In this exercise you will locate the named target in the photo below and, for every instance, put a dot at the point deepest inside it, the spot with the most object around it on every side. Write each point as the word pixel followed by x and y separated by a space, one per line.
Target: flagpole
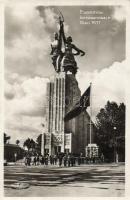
pixel 90 116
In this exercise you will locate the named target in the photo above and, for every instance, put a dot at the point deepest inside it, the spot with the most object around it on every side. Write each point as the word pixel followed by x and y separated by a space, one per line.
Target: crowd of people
pixel 65 160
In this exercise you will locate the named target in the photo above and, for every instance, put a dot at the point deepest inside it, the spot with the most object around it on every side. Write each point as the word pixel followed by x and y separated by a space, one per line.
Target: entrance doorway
pixel 67 151
pixel 46 151
pixel 57 149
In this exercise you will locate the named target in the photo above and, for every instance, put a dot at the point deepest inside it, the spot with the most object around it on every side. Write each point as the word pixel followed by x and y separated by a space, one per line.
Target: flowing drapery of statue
pixel 64 60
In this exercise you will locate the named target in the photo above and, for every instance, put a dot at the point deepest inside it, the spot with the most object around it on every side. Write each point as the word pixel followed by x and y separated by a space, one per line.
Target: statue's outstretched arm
pixel 60 35
pixel 79 51
pixel 62 32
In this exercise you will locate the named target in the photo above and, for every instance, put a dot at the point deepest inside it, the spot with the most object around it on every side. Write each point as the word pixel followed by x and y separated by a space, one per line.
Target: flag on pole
pixel 80 106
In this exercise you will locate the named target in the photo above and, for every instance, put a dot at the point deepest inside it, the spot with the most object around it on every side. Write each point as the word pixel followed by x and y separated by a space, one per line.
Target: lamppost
pixel 42 139
pixel 115 150
pixel 15 157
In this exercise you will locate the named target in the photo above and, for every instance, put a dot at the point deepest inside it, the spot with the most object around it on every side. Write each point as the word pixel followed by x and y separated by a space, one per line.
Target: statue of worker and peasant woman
pixel 64 60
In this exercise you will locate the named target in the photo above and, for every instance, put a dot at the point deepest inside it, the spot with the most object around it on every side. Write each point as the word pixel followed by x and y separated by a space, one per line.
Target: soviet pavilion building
pixel 62 93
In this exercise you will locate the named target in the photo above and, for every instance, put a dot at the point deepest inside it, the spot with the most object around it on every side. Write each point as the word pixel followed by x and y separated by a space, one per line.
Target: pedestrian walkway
pixel 85 180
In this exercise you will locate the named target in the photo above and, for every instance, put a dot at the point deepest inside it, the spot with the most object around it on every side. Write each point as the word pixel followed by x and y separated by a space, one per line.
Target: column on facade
pixel 63 104
pixel 54 106
pixel 48 108
pixel 50 147
pixel 57 106
pixel 63 112
pixel 42 144
pixel 60 110
pixel 51 106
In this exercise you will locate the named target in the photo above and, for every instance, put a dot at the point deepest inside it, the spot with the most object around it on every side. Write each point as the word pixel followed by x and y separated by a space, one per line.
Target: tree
pixel 17 142
pixel 110 122
pixel 6 138
pixel 30 144
pixel 27 144
pixel 33 144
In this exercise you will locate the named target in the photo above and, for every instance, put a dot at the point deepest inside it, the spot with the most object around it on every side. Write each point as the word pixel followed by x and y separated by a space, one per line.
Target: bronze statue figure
pixel 68 61
pixel 64 61
pixel 56 49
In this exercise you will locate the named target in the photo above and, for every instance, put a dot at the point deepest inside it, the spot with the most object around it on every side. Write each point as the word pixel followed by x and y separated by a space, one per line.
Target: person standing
pixel 35 160
pixel 25 160
pixel 69 160
pixel 55 159
pixel 79 160
pixel 46 160
pixel 28 160
pixel 43 160
pixel 60 160
pixel 102 158
pixel 50 159
pixel 40 159
pixel 32 160
pixel 65 160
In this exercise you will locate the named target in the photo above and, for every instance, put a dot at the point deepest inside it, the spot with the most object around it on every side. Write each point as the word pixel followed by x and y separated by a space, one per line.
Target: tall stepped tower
pixel 60 136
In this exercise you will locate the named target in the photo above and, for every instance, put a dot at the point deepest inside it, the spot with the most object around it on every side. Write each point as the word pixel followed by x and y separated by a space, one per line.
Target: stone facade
pixel 71 136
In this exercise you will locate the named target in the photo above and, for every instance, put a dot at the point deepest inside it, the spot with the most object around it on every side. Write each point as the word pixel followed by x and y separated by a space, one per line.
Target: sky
pixel 28 34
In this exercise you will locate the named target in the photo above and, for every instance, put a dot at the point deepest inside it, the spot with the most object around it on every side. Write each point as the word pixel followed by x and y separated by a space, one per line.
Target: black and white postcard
pixel 64 80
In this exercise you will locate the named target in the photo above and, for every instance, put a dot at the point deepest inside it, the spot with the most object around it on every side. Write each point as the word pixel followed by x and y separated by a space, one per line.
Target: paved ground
pixel 82 181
